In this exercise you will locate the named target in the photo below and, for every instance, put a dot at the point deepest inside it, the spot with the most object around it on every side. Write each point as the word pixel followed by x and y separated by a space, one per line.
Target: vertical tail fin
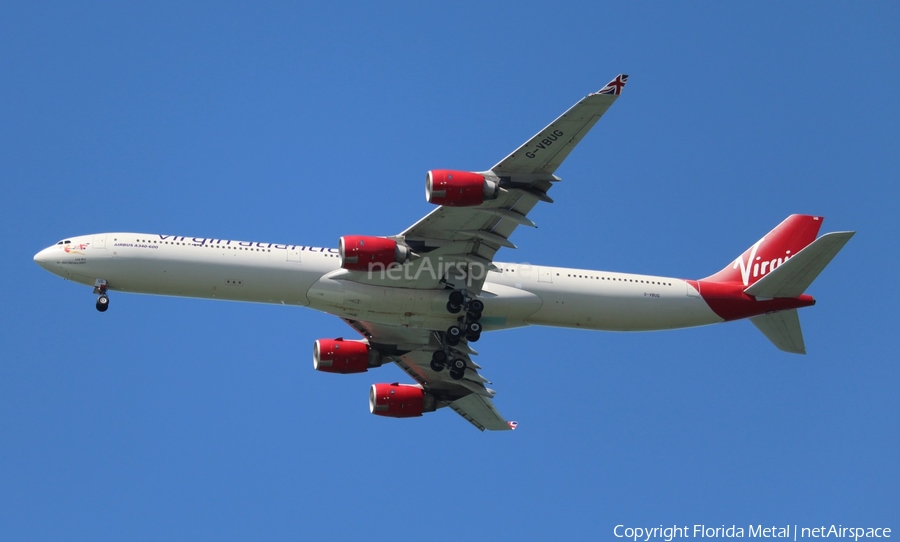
pixel 775 248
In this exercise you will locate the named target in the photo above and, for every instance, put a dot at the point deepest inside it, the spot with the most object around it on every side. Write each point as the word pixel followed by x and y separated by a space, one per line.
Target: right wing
pixel 448 236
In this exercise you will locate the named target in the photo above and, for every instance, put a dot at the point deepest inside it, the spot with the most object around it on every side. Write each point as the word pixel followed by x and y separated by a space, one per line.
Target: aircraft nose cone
pixel 43 258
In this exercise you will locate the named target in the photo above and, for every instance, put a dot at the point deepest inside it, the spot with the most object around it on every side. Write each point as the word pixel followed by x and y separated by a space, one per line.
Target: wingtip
pixel 615 86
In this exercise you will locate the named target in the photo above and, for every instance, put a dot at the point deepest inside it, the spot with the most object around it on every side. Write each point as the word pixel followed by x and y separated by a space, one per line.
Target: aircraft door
pixel 293 254
pixel 99 241
pixel 545 274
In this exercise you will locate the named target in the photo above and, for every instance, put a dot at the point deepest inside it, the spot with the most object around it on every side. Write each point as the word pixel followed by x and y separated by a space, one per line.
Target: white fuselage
pixel 516 295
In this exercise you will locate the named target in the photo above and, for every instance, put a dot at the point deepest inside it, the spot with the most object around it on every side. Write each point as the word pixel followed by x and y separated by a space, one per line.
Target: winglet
pixel 615 86
pixel 513 425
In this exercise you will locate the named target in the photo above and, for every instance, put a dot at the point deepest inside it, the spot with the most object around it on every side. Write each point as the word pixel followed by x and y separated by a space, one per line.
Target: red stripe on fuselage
pixel 729 302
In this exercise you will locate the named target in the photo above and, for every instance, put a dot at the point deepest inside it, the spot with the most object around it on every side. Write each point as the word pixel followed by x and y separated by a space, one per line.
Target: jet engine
pixel 399 400
pixel 340 356
pixel 458 188
pixel 362 253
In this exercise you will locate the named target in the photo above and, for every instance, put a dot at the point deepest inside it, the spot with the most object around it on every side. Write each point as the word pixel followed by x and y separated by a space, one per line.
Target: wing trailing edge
pixel 480 412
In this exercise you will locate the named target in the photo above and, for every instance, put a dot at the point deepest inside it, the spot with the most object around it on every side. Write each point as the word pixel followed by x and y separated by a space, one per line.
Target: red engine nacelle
pixel 458 188
pixel 362 253
pixel 397 400
pixel 340 356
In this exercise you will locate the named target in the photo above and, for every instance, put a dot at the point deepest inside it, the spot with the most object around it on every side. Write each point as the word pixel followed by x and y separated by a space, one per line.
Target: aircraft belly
pixel 417 308
pixel 254 281
pixel 622 308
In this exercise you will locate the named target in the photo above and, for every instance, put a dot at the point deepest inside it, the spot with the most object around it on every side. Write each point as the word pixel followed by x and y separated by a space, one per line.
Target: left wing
pixel 412 349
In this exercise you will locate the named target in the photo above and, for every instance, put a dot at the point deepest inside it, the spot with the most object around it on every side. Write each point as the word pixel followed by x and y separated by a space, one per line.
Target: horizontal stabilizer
pixel 793 277
pixel 480 412
pixel 783 329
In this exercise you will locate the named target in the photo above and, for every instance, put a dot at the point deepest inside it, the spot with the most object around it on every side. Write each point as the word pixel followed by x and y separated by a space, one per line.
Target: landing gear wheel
pixel 457 369
pixel 454 334
pixel 438 360
pixel 476 305
pixel 473 332
pixel 457 298
pixel 102 303
pixel 452 308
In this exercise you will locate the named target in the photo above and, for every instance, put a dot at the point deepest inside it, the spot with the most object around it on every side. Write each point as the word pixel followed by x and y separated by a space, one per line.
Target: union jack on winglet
pixel 512 425
pixel 615 86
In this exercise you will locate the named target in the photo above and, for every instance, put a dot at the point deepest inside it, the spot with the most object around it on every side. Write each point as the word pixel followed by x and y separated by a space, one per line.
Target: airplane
pixel 423 297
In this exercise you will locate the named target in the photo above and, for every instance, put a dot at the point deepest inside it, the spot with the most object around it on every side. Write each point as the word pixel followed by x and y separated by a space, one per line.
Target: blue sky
pixel 170 418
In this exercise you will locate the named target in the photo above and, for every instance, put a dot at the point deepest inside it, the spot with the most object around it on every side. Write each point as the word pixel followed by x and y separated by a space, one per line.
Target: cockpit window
pixel 67 241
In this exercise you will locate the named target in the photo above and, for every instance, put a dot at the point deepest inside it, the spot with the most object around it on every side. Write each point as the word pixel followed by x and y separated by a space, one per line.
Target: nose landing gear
pixel 102 301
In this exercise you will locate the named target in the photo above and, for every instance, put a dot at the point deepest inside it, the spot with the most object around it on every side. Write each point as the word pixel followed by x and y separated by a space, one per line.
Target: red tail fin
pixel 780 244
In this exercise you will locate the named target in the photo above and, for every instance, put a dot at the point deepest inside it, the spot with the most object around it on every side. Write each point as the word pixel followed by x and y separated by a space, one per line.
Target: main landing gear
pixel 467 324
pixel 459 301
pixel 467 327
pixel 457 366
pixel 103 300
